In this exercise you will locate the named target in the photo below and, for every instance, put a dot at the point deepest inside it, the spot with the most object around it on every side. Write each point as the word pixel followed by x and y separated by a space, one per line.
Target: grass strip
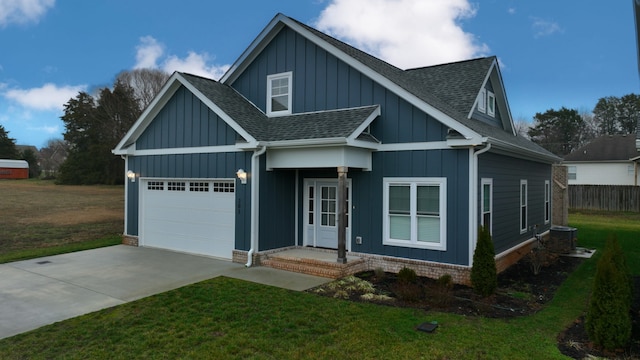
pixel 59 249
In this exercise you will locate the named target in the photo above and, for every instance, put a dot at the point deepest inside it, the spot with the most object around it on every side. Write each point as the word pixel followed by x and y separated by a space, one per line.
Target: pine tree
pixel 484 277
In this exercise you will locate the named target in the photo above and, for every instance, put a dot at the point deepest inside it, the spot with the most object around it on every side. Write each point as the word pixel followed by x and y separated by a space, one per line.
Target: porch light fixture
pixel 242 175
pixel 131 176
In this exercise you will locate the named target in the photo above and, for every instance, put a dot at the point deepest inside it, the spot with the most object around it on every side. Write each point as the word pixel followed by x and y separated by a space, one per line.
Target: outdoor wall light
pixel 242 175
pixel 131 176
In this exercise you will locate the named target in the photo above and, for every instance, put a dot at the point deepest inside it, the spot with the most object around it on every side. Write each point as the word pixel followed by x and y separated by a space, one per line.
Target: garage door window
pixel 155 185
pixel 176 186
pixel 199 186
pixel 223 186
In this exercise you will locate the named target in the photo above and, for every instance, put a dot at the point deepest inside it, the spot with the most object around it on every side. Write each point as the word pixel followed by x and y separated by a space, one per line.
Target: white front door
pixel 321 208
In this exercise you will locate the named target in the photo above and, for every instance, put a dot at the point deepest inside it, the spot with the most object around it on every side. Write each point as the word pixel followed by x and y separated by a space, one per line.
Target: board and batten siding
pixel 367 191
pixel 506 173
pixel 185 121
pixel 323 82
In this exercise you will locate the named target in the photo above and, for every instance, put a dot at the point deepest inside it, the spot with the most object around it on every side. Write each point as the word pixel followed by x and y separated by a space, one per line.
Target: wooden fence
pixel 605 197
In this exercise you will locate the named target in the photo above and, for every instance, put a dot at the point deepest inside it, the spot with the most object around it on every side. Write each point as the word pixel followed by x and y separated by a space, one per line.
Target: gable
pixel 322 82
pixel 185 121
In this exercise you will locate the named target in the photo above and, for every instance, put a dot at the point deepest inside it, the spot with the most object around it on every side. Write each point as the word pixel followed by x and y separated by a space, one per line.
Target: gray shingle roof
pixel 317 125
pixel 606 148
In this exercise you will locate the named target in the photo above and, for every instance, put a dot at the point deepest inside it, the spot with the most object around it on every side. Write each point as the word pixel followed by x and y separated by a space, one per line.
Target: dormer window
pixel 491 104
pixel 279 94
pixel 482 101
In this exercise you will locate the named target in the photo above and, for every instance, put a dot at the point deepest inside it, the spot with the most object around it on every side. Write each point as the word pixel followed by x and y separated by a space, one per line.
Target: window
pixel 415 212
pixel 482 101
pixel 631 171
pixel 573 172
pixel 199 186
pixel 491 104
pixel 175 185
pixel 224 186
pixel 487 203
pixel 155 185
pixel 547 201
pixel 523 206
pixel 279 94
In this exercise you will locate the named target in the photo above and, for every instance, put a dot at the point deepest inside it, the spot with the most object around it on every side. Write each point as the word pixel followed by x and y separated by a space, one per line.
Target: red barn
pixel 14 169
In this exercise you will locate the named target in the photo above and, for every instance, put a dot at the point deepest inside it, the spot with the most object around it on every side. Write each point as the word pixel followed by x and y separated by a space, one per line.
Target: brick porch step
pixel 313 264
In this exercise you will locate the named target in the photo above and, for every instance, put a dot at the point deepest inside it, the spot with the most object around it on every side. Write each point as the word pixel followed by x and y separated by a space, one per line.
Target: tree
pixel 521 126
pixel 617 115
pixel 52 156
pixel 7 145
pixel 484 277
pixel 32 158
pixel 559 131
pixel 146 83
pixel 93 128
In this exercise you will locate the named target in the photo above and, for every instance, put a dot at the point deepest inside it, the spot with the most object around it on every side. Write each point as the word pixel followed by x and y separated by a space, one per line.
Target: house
pixel 304 130
pixel 14 169
pixel 607 160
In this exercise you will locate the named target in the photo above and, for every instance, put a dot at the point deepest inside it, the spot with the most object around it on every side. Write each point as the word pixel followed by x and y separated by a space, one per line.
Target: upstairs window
pixel 491 104
pixel 482 101
pixel 279 94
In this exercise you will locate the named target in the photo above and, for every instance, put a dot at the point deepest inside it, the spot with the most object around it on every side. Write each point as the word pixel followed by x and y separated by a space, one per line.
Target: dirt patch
pixel 520 293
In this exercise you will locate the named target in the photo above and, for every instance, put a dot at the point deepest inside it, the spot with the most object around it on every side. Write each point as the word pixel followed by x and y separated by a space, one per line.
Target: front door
pixel 321 207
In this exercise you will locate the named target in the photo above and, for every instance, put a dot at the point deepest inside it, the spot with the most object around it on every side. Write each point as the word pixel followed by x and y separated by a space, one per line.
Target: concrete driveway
pixel 42 291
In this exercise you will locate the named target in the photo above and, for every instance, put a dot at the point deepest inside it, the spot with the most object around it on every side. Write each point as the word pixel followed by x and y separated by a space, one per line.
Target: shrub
pixel 445 282
pixel 407 275
pixel 379 273
pixel 608 317
pixel 408 291
pixel 484 277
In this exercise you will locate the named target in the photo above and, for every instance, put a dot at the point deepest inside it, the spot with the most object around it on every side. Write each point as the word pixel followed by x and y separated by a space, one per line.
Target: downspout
pixel 474 202
pixel 255 170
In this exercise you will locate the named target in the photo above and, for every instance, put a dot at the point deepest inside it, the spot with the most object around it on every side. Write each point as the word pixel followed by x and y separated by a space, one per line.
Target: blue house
pixel 305 130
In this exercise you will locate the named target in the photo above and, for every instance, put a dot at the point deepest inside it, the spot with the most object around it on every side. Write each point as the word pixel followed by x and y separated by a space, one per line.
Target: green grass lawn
pixel 231 319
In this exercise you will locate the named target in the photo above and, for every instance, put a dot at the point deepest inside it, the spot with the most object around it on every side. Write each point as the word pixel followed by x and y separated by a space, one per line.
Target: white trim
pixel 524 227
pixel 433 145
pixel 270 78
pixel 483 182
pixel 186 150
pixel 127 183
pixel 413 183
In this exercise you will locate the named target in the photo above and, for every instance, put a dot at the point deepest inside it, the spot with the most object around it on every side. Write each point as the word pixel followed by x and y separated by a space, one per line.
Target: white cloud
pixel 47 97
pixel 511 11
pixel 150 53
pixel 23 11
pixel 542 27
pixel 406 33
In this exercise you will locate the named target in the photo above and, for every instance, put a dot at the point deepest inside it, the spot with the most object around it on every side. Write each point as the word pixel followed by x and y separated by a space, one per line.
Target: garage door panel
pixel 201 222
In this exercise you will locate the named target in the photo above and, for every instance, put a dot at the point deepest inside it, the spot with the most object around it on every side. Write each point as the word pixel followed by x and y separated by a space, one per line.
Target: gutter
pixel 255 169
pixel 473 211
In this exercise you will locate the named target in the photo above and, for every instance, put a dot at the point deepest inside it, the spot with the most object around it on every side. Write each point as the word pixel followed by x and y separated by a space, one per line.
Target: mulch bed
pixel 520 293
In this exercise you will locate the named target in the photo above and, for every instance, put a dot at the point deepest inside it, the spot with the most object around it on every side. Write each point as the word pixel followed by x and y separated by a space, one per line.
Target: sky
pixel 552 53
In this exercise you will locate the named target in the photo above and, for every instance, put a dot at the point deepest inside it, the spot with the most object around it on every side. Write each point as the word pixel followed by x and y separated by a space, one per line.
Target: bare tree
pixel 146 83
pixel 522 127
pixel 52 156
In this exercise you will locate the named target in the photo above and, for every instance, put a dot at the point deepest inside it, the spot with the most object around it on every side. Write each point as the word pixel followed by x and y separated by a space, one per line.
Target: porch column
pixel 342 214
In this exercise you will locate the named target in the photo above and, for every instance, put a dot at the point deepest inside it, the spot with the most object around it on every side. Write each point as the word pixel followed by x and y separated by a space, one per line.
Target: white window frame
pixel 547 201
pixel 270 78
pixel 572 175
pixel 523 206
pixel 483 182
pixel 482 101
pixel 491 104
pixel 413 183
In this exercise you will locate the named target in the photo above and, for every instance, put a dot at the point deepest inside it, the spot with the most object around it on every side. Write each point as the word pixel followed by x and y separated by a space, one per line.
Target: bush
pixel 608 317
pixel 484 276
pixel 407 276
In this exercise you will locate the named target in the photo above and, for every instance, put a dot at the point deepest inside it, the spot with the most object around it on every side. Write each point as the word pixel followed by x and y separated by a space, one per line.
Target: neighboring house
pixel 259 161
pixel 607 160
pixel 14 169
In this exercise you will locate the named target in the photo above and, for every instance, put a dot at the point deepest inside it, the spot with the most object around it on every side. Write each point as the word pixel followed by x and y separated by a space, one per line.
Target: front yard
pixel 231 319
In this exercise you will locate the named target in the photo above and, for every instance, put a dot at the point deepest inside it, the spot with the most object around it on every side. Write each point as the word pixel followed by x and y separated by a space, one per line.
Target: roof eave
pixel 522 153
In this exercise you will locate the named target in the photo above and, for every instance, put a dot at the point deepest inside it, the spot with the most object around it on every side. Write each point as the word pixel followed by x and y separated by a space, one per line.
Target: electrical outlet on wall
pixel 359 240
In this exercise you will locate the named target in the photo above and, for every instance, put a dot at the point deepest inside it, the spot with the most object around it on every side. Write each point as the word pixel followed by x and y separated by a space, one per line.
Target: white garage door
pixel 193 216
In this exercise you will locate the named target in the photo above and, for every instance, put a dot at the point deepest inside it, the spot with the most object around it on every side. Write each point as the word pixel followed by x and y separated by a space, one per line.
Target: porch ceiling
pixel 319 157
